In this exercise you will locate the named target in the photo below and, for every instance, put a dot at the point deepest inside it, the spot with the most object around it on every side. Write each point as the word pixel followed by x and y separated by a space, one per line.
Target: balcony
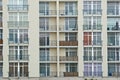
pixel 1 23
pixel 51 74
pixel 68 58
pixel 92 27
pixel 70 74
pixel 17 7
pixel 90 43
pixel 22 74
pixel 113 12
pixel 113 42
pixel 48 12
pixel 90 12
pixel 113 28
pixel 18 24
pixel 68 28
pixel 1 57
pixel 68 43
pixel 18 57
pixel 92 58
pixel 68 13
pixel 48 58
pixel 93 74
pixel 48 43
pixel 48 28
pixel 1 41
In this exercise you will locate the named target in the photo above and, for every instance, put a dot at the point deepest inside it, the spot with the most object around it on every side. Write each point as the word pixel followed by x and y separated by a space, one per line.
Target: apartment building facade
pixel 59 39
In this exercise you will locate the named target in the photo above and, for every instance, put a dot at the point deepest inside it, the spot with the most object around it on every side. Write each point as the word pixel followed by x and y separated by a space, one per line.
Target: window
pixel 44 23
pixel 92 69
pixel 44 54
pixel 92 38
pixel 1 69
pixel 70 8
pixel 13 69
pixel 18 2
pixel 18 36
pixel 92 7
pixel 70 23
pixel 44 8
pixel 70 36
pixel 113 8
pixel 92 23
pixel 92 54
pixel 71 52
pixel 1 34
pixel 114 39
pixel 71 67
pixel 44 69
pixel 44 39
pixel 14 55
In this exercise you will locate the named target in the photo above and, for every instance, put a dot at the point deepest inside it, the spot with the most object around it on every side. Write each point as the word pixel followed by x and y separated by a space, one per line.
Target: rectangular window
pixel 44 54
pixel 44 69
pixel 44 8
pixel 70 36
pixel 44 39
pixel 71 67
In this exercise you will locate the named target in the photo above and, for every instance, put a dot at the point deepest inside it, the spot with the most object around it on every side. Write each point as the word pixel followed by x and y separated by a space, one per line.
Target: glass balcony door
pixel 44 39
pixel 44 54
pixel 44 23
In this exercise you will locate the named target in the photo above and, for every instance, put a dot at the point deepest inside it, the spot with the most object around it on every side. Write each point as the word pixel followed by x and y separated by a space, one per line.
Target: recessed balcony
pixel 113 28
pixel 68 43
pixel 48 58
pixel 17 7
pixel 50 74
pixel 95 12
pixel 94 42
pixel 48 28
pixel 92 27
pixel 70 74
pixel 48 42
pixel 92 58
pixel 93 74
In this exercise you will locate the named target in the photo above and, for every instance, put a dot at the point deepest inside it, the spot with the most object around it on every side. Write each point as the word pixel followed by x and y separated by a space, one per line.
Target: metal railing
pixel 113 42
pixel 22 74
pixel 68 28
pixel 68 58
pixel 68 74
pixel 48 27
pixel 90 11
pixel 17 7
pixel 66 12
pixel 19 24
pixel 18 41
pixel 48 12
pixel 50 74
pixel 48 43
pixel 113 27
pixel 92 58
pixel 48 58
pixel 92 27
pixel 113 11
pixel 113 58
pixel 93 74
pixel 94 42
pixel 18 57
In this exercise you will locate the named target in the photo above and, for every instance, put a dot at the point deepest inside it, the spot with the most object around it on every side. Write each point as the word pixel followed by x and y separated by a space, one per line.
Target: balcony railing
pixel 18 57
pixel 51 74
pixel 68 28
pixel 90 42
pixel 113 58
pixel 17 7
pixel 1 7
pixel 113 27
pixel 68 58
pixel 48 58
pixel 48 12
pixel 112 42
pixel 18 41
pixel 93 74
pixel 68 43
pixel 69 74
pixel 1 57
pixel 92 58
pixel 48 43
pixel 1 23
pixel 17 24
pixel 1 41
pixel 114 74
pixel 113 11
pixel 22 74
pixel 48 27
pixel 89 11
pixel 92 27
pixel 65 13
